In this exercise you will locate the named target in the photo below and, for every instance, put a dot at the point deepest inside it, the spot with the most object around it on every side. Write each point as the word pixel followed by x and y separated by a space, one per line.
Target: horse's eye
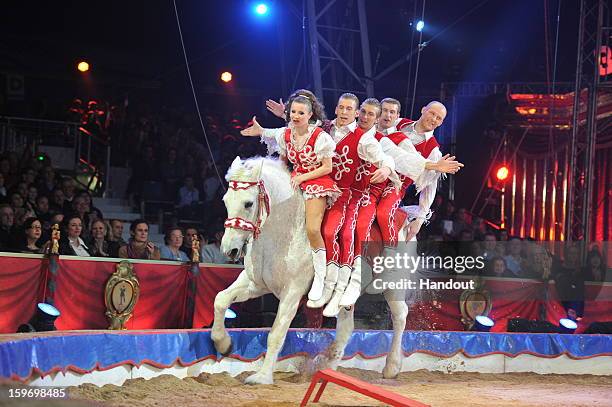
pixel 247 205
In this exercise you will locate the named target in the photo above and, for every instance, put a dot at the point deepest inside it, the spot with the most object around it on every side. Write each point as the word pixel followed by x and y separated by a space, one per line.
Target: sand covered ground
pixel 434 388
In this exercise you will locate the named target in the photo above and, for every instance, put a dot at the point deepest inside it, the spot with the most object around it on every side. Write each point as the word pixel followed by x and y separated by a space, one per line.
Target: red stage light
pixel 83 66
pixel 226 77
pixel 502 173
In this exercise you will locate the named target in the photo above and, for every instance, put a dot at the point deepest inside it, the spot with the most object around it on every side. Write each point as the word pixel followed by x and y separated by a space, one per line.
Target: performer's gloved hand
pixel 276 108
pixel 380 175
pixel 254 130
pixel 413 228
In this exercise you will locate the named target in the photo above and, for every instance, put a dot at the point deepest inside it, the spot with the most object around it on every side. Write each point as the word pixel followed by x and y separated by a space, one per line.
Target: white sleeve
pixel 370 150
pixel 408 161
pixel 324 147
pixel 274 139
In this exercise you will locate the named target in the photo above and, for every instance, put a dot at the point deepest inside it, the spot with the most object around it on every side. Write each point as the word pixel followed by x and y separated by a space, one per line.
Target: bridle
pixel 263 208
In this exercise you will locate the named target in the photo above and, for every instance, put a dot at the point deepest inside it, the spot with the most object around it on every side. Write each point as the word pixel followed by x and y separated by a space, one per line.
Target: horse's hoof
pixel 391 372
pixel 259 378
pixel 224 346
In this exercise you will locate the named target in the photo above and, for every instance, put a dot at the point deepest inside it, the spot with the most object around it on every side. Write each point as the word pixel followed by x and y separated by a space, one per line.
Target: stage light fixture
pixel 42 320
pixel 482 324
pixel 261 9
pixel 83 66
pixel 567 326
pixel 420 25
pixel 230 314
pixel 502 173
pixel 226 77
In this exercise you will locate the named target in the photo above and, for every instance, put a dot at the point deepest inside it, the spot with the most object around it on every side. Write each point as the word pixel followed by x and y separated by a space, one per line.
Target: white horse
pixel 266 225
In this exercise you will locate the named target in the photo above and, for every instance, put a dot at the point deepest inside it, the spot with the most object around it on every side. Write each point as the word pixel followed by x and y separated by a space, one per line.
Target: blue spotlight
pixel 483 324
pixel 43 319
pixel 230 314
pixel 261 9
pixel 567 326
pixel 420 25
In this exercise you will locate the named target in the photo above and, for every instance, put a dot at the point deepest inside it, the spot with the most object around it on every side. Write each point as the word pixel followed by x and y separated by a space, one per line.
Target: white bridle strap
pixel 263 210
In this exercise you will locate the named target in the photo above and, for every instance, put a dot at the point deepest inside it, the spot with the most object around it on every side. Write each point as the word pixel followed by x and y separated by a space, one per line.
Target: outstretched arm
pixel 276 108
pixel 254 130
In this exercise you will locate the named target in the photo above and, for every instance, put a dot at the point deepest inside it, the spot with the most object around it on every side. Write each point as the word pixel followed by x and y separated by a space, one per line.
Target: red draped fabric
pixel 22 286
pixel 209 282
pixel 79 295
pixel 165 294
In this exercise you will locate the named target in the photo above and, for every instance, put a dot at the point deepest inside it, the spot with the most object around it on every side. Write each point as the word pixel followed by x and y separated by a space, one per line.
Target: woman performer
pixel 310 150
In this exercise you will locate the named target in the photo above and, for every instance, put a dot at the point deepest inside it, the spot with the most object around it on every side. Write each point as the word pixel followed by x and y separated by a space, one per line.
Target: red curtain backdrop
pixel 209 282
pixel 79 295
pixel 166 297
pixel 22 286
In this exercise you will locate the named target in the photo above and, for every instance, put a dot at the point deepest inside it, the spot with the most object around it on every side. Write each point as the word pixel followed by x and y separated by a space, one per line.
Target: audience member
pixel 496 267
pixel 32 231
pixel 139 246
pixel 71 243
pixel 47 182
pixel 569 281
pixel 190 233
pixel 172 249
pixel 99 245
pixel 211 253
pixel 7 227
pixel 595 267
pixel 514 261
pixel 116 234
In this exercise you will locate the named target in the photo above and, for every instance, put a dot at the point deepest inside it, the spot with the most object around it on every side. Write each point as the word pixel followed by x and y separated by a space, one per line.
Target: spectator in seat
pixel 496 267
pixel 99 245
pixel 569 282
pixel 97 213
pixel 57 201
pixel 3 191
pixel 69 189
pixel 514 260
pixel 139 246
pixel 32 232
pixel 172 249
pixel 188 199
pixel 190 233
pixel 116 234
pixel 71 243
pixel 595 266
pixel 489 242
pixel 7 227
pixel 47 182
pixel 42 209
pixel 211 253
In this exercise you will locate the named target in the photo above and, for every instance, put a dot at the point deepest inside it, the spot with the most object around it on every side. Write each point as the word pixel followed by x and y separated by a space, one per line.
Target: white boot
pixel 353 290
pixel 333 306
pixel 319 261
pixel 328 287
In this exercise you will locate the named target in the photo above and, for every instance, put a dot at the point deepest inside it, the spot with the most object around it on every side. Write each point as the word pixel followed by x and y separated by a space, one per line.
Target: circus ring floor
pixel 181 367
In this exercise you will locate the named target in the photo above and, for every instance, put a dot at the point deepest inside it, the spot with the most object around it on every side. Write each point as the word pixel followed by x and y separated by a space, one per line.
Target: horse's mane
pixel 274 173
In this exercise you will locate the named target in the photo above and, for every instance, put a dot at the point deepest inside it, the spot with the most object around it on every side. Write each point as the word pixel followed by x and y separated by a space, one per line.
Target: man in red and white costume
pixel 389 121
pixel 413 135
pixel 353 147
pixel 417 166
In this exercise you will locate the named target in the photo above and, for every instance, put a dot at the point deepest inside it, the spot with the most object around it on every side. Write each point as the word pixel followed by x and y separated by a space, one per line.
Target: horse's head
pixel 247 204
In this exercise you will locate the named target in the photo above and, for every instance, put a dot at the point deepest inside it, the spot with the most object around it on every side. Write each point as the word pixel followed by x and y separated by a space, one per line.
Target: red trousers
pixel 333 220
pixel 388 215
pixel 366 217
pixel 347 232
